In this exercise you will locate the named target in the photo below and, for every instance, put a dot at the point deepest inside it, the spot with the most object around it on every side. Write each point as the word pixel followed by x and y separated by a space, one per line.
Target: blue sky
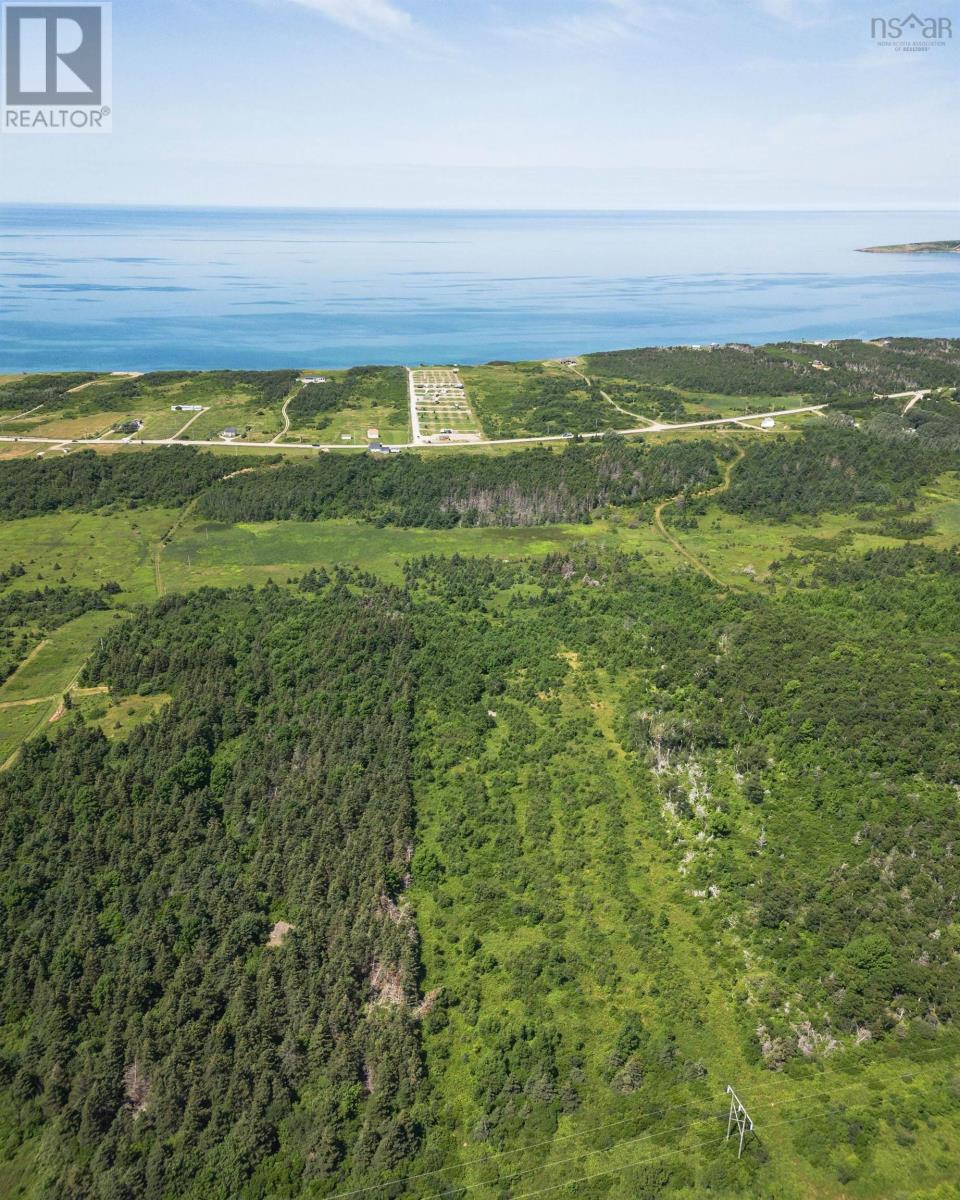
pixel 510 103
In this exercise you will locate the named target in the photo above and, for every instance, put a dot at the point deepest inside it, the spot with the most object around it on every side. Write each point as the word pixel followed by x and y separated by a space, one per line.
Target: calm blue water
pixel 114 288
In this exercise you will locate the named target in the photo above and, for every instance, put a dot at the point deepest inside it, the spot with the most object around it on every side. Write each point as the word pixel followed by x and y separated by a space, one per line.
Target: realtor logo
pixel 911 32
pixel 56 67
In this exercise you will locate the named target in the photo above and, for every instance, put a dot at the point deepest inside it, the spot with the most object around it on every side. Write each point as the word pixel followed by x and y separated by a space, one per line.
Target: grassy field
pixel 87 549
pixel 740 551
pixel 31 696
pixel 19 724
pixel 255 421
pixel 116 716
pixel 54 667
pixel 391 426
pixel 216 555
pixel 520 399
pixel 377 402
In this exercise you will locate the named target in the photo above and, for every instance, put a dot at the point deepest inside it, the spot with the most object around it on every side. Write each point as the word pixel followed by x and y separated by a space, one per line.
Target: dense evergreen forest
pixel 204 923
pixel 527 487
pixel 834 468
pixel 852 367
pixel 87 480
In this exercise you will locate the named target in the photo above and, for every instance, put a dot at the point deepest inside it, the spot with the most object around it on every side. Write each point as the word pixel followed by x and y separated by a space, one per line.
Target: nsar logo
pixel 57 68
pixel 911 33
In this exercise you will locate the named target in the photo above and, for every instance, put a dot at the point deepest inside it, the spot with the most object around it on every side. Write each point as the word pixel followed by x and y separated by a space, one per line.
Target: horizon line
pixel 554 210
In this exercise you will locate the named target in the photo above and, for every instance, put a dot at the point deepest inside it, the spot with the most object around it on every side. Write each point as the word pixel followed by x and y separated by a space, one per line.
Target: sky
pixel 596 104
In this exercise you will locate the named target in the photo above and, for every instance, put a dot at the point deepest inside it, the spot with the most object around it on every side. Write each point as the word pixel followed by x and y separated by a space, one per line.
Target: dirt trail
pixel 674 541
pixel 187 511
pixel 913 399
pixel 609 399
pixel 183 429
pixel 17 416
pixel 159 547
pixel 30 657
pixel 286 417
pixel 26 703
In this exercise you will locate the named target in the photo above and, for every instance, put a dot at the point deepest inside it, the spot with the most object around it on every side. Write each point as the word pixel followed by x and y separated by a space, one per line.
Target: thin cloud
pixel 797 12
pixel 598 23
pixel 374 18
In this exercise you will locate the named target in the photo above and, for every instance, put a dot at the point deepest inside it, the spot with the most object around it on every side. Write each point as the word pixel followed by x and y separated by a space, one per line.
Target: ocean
pixel 144 289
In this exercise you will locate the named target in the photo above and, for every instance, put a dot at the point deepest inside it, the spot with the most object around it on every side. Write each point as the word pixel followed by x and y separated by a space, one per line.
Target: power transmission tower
pixel 739 1117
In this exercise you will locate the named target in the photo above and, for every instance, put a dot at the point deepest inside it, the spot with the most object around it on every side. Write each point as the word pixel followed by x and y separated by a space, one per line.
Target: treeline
pixel 892 562
pixel 210 975
pixel 529 487
pixel 726 370
pixel 87 480
pixel 853 367
pixel 830 468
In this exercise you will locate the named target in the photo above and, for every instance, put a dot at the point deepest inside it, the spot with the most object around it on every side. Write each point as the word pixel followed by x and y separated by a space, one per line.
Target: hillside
pixel 463 824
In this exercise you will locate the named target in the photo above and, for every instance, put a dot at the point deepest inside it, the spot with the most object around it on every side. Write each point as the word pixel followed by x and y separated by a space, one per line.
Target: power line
pixel 653 1112
pixel 645 1137
pixel 738 1114
pixel 470 1162
pixel 554 1187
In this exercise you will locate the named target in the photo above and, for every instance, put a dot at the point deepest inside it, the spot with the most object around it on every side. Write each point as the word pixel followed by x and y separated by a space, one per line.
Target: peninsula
pixel 945 247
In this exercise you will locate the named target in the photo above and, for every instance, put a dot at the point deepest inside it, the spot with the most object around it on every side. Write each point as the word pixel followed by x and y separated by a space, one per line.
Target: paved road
pixel 414 416
pixel 655 427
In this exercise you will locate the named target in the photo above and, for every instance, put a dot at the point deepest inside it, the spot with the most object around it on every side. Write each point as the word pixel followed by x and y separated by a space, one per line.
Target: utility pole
pixel 739 1117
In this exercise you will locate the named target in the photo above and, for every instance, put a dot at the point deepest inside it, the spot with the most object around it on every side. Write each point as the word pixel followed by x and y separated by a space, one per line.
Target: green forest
pixel 484 874
pixel 526 487
pixel 87 480
pixel 788 368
